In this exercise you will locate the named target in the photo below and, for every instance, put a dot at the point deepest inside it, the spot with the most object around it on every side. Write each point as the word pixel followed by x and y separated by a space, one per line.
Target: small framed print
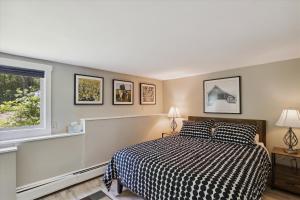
pixel 88 90
pixel 122 92
pixel 222 95
pixel 147 94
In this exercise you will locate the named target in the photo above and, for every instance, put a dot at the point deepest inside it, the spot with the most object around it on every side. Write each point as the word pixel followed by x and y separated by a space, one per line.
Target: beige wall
pixel 63 109
pixel 266 90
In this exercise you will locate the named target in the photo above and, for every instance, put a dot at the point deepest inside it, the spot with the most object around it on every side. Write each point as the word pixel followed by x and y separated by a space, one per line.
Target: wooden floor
pixel 94 185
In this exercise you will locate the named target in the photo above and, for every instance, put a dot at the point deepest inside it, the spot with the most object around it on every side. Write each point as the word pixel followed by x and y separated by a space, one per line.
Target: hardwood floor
pixel 279 195
pixel 82 190
pixel 76 192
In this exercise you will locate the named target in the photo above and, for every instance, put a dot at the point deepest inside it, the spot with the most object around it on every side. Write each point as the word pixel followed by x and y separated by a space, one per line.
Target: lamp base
pixel 173 124
pixel 291 140
pixel 289 151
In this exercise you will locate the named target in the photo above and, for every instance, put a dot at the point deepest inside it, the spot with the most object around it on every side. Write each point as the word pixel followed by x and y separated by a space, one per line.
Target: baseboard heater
pixel 48 186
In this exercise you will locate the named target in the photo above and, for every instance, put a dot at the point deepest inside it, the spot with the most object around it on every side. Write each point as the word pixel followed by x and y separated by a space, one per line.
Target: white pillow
pixel 256 138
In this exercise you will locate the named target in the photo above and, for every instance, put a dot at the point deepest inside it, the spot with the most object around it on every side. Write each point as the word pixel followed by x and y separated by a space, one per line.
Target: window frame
pixel 44 128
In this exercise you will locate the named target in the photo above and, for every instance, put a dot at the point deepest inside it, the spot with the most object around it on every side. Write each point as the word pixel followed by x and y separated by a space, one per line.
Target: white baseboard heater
pixel 48 186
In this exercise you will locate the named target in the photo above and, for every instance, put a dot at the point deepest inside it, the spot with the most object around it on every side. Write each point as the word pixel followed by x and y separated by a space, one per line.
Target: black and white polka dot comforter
pixel 183 167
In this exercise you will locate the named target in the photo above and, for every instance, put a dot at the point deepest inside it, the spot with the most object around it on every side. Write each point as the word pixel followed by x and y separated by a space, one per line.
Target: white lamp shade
pixel 289 118
pixel 174 112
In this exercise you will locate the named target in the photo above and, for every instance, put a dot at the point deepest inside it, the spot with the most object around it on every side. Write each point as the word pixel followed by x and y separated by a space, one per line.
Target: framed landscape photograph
pixel 88 90
pixel 222 95
pixel 147 94
pixel 122 92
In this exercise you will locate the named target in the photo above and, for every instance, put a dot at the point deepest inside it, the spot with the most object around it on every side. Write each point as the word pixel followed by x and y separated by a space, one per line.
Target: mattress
pixel 184 167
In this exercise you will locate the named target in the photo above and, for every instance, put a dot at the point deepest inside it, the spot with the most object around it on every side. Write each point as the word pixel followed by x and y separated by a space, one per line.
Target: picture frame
pixel 147 94
pixel 222 95
pixel 123 92
pixel 88 90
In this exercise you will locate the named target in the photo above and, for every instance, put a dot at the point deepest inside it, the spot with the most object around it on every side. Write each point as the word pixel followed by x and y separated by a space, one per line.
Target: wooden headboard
pixel 260 124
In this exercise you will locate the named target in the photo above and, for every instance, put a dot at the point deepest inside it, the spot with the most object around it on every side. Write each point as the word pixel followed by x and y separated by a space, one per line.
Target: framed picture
pixel 222 95
pixel 147 94
pixel 88 90
pixel 122 92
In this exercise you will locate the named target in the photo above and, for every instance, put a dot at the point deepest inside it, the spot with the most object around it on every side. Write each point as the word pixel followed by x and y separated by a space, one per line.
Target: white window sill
pixel 31 139
pixel 16 142
pixel 8 149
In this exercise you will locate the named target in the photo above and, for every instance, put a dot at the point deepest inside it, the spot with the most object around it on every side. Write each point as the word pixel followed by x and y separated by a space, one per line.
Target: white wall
pixel 40 160
pixel 7 175
pixel 44 159
pixel 266 90
pixel 63 109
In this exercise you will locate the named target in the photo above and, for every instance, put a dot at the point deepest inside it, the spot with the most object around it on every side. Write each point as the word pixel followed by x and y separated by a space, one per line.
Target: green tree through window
pixel 19 101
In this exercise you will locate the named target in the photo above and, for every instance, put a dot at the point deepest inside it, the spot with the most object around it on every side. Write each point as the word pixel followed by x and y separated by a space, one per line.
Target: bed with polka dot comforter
pixel 184 167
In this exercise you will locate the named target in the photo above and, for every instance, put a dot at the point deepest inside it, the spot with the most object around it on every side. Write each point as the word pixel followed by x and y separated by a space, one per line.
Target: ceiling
pixel 159 39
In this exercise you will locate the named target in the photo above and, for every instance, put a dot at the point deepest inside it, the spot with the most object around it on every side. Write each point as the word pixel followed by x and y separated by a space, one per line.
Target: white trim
pixel 61 135
pixel 25 64
pixel 8 149
pixel 27 186
pixel 53 136
pixel 45 128
pixel 121 117
pixel 50 185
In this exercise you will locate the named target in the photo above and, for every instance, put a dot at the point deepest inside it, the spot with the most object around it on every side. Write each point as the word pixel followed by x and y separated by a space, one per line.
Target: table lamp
pixel 173 113
pixel 290 118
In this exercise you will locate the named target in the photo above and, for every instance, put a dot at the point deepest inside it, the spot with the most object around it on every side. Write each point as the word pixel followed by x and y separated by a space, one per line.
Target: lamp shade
pixel 289 118
pixel 174 112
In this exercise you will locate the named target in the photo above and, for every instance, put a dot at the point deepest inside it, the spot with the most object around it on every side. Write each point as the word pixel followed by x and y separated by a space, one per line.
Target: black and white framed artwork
pixel 147 94
pixel 122 92
pixel 222 95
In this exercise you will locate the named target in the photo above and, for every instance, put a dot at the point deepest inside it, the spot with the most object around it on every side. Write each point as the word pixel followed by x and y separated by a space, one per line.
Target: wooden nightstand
pixel 166 134
pixel 284 177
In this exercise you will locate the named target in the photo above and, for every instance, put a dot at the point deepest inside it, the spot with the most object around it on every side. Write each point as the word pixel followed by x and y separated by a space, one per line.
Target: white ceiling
pixel 160 39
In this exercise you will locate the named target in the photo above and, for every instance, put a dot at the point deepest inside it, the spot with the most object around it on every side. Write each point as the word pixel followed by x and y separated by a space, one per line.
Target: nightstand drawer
pixel 287 178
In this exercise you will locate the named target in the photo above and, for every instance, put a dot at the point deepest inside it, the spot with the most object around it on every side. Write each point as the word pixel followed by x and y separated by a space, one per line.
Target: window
pixel 24 99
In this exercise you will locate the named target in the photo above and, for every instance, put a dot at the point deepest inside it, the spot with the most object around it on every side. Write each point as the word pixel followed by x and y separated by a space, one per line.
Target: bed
pixel 185 167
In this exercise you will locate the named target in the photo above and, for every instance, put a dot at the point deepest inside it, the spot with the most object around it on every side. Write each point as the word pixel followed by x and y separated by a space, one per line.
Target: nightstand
pixel 166 134
pixel 285 177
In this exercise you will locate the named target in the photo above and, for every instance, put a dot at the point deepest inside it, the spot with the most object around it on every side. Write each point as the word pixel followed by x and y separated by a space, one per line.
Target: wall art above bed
pixel 88 90
pixel 222 95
